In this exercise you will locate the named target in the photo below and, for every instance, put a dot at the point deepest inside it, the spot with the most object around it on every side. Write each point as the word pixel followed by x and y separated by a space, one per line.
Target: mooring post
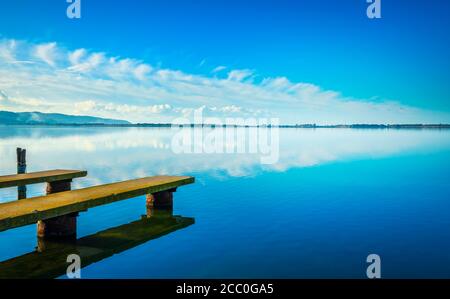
pixel 160 201
pixel 21 168
pixel 64 227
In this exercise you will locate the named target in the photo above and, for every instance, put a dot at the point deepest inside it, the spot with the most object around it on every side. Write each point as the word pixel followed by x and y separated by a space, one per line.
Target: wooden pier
pixel 40 177
pixel 56 216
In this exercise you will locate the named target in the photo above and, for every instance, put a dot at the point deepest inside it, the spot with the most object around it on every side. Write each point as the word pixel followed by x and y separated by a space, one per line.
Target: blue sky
pixel 302 61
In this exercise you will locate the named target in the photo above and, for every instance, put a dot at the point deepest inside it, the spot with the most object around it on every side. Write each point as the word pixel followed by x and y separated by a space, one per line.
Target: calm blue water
pixel 334 197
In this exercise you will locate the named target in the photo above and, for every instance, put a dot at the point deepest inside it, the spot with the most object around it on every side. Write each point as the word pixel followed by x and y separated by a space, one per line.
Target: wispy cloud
pixel 75 56
pixel 86 65
pixel 239 75
pixel 46 52
pixel 3 97
pixel 94 83
pixel 7 49
pixel 218 69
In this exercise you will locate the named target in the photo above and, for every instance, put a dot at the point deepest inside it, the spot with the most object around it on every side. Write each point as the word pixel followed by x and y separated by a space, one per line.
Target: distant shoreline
pixel 39 119
pixel 303 126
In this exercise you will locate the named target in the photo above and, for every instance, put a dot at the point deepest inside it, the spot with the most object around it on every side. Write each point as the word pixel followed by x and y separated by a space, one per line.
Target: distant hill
pixel 38 118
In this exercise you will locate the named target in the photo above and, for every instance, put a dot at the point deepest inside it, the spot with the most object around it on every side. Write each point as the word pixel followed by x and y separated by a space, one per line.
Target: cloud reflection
pixel 113 154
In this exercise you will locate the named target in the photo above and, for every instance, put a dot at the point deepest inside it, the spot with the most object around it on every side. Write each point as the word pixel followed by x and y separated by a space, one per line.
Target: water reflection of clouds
pixel 112 155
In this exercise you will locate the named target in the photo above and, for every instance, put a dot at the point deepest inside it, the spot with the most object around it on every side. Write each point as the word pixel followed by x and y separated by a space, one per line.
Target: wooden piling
pixel 65 226
pixel 161 200
pixel 21 168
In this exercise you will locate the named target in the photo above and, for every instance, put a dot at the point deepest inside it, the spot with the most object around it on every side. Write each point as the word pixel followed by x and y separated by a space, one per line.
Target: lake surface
pixel 334 197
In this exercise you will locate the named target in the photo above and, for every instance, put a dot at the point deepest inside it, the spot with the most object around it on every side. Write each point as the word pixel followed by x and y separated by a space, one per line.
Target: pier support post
pixel 160 201
pixel 58 186
pixel 21 168
pixel 62 226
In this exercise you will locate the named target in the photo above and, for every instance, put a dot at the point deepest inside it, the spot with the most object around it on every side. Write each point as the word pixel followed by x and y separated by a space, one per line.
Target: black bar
pixel 223 288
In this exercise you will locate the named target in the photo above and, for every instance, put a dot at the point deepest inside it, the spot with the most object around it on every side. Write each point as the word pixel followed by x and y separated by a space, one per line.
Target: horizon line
pixel 312 126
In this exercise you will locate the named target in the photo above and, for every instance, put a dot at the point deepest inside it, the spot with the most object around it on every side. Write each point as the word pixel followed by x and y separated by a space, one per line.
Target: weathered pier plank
pixel 40 177
pixel 31 210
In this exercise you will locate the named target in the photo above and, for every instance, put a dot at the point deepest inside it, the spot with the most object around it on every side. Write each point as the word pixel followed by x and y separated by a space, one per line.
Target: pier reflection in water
pixel 49 260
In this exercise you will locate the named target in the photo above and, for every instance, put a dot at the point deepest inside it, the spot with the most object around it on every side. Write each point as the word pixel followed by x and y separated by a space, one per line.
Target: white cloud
pixel 46 52
pixel 231 108
pixel 7 50
pixel 85 106
pixel 219 68
pixel 101 85
pixel 89 106
pixel 75 56
pixel 280 83
pixel 92 62
pixel 141 71
pixel 239 75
